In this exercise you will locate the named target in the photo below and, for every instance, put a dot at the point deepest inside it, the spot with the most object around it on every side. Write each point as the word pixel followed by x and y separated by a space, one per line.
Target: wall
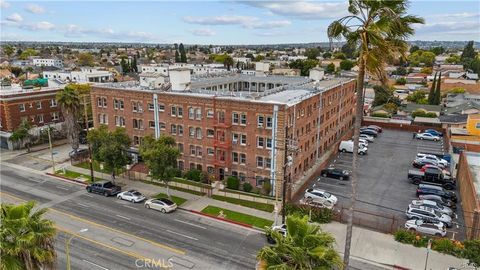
pixel 470 202
pixel 472 122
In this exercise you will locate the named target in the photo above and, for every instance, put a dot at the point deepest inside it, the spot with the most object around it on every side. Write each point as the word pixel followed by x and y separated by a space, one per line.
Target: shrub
pixel 404 236
pixel 447 246
pixel 266 187
pixel 382 115
pixel 401 81
pixel 457 90
pixel 320 215
pixel 472 252
pixel 233 182
pixel 422 113
pixel 247 187
pixel 193 175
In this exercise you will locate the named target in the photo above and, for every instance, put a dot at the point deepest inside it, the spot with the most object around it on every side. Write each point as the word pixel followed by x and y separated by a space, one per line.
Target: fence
pixel 245 196
pixel 370 220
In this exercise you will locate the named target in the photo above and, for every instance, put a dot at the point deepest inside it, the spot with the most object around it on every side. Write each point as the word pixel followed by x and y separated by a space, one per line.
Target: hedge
pixel 319 215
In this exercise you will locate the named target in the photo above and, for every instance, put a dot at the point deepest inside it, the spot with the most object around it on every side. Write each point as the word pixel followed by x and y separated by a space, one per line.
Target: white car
pixel 434 205
pixel 282 229
pixel 163 205
pixel 433 157
pixel 131 195
pixel 347 146
pixel 320 195
pixel 367 137
pixel 427 214
pixel 432 228
pixel 427 136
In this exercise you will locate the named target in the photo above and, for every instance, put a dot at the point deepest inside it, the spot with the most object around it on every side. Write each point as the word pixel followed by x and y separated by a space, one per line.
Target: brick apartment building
pixel 236 124
pixel 17 104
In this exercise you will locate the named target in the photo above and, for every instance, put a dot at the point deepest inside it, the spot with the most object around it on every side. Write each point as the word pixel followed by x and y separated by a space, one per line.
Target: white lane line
pixel 191 224
pixel 123 217
pixel 186 236
pixel 84 205
pixel 88 195
pixel 60 187
pixel 94 264
pixel 131 207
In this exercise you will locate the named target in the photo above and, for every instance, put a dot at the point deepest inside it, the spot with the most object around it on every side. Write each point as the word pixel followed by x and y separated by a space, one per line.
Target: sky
pixel 213 22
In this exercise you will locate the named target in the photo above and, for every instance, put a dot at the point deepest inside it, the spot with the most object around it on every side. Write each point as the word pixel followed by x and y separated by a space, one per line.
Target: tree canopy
pixel 312 53
pixel 421 56
pixel 346 64
pixel 304 65
pixel 85 59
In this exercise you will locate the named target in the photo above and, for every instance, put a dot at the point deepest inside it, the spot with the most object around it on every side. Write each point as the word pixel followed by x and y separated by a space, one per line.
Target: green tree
pixel 247 187
pixel 312 53
pixel 304 65
pixel 349 50
pixel 22 134
pixel 400 71
pixel 437 96
pixel 431 94
pixel 457 90
pixel 473 65
pixel 233 183
pixel 134 66
pixel 453 59
pixel 339 55
pixel 426 70
pixel 304 246
pixel 125 66
pixel 346 64
pixel 160 156
pixel 69 101
pixel 437 50
pixel 183 54
pixel 472 252
pixel 9 50
pixel 27 238
pixel 401 81
pixel 177 57
pixel 27 53
pixel 383 94
pixel 85 59
pixel 17 71
pixel 259 58
pixel 228 62
pixel 468 51
pixel 327 55
pixel 381 29
pixel 421 56
pixel 418 97
pixel 330 68
pixel 414 48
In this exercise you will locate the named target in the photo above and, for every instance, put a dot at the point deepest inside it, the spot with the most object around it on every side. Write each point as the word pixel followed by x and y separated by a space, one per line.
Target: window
pixel 243 158
pixel 39 105
pixel 210 133
pixel 210 151
pixel 54 116
pixel 260 142
pixel 199 151
pixel 137 106
pixel 191 132
pixel 192 150
pixel 243 140
pixel 137 140
pixel 243 119
pixel 102 118
pixel 180 130
pixel 210 170
pixel 209 113
pixel 260 162
pixel 137 124
pixel 102 102
pixel 242 176
pixel 235 118
pixel 198 114
pixel 269 143
pixel 235 157
pixel 151 124
pixel 40 118
pixel 191 113
pixel 173 129
pixel 21 107
pixel 180 112
pixel 269 122
pixel 258 180
pixel 180 147
pixel 477 125
pixel 198 132
pixel 53 103
pixel 161 107
pixel 268 163
pixel 260 120
pixel 173 111
pixel 162 125
pixel 181 165
pixel 119 121
pixel 118 104
pixel 150 107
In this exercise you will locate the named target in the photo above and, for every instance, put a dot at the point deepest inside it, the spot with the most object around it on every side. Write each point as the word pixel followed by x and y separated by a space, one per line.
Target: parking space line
pixel 181 234
pixel 94 264
pixel 123 217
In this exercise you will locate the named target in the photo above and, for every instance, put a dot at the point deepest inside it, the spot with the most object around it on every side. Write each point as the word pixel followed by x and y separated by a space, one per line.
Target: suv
pixel 449 195
pixel 434 205
pixel 433 157
pixel 106 188
pixel 439 200
pixel 320 196
pixel 368 131
pixel 335 173
pixel 427 214
pixel 432 228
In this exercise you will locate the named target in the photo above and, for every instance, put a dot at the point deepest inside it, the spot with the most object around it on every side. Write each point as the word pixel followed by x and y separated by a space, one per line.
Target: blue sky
pixel 212 22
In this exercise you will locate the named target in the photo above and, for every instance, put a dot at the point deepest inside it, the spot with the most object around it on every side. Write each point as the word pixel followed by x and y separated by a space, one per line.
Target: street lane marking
pixel 60 187
pixel 178 251
pixel 84 205
pixel 191 224
pixel 131 207
pixel 193 238
pixel 123 217
pixel 94 264
pixel 88 195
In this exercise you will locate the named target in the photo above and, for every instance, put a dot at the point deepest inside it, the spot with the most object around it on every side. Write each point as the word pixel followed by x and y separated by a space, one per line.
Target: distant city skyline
pixel 213 22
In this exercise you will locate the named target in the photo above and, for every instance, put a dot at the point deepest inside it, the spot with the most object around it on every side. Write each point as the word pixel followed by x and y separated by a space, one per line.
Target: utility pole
pixel 51 147
pixel 90 157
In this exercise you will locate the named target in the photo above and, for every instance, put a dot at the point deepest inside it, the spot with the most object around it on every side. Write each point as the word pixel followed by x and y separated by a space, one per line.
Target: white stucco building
pixel 48 62
pixel 85 75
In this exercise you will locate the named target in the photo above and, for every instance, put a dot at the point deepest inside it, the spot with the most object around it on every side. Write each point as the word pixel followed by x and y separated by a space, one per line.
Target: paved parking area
pixel 383 188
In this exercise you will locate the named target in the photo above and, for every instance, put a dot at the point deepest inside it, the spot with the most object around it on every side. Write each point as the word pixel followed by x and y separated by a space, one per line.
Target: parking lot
pixel 383 190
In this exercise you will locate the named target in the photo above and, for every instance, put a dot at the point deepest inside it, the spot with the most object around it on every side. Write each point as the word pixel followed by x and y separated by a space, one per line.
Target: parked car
pixel 420 162
pixel 370 132
pixel 427 136
pixel 320 195
pixel 445 173
pixel 434 132
pixel 366 137
pixel 449 195
pixel 335 173
pixel 163 205
pixel 282 229
pixel 376 128
pixel 80 152
pixel 425 227
pixel 431 176
pixel 131 195
pixel 106 188
pixel 433 157
pixel 434 205
pixel 427 214
pixel 439 200
pixel 347 146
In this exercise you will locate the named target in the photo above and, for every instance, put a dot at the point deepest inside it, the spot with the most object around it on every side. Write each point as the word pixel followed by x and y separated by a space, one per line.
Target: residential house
pixel 409 108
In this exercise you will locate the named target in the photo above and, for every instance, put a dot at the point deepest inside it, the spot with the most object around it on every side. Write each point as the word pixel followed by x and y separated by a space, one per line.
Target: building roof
pixel 411 107
pixel 459 109
pixel 427 120
pixel 453 118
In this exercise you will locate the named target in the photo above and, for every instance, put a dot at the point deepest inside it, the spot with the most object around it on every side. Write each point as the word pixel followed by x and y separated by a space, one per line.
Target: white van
pixel 347 146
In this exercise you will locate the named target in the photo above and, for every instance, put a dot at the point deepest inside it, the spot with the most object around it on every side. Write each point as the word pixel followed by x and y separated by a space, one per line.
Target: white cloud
pixel 244 21
pixel 73 30
pixel 34 8
pixel 15 17
pixel 302 9
pixel 465 26
pixel 38 26
pixel 203 32
pixel 4 4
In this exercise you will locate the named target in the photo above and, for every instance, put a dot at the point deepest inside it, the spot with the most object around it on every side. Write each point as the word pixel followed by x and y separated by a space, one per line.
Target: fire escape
pixel 222 142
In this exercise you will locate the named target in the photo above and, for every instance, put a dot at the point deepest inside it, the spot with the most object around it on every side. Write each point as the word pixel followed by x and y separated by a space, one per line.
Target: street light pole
pixel 67 247
pixel 90 157
pixel 429 246
pixel 51 147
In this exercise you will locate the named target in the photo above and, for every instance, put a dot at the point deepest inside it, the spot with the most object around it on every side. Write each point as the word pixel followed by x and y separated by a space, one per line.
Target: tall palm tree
pixel 304 246
pixel 26 238
pixel 379 28
pixel 69 101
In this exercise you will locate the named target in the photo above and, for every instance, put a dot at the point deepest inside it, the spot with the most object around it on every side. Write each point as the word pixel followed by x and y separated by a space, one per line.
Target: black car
pixel 335 173
pixel 449 195
pixel 368 131
pixel 79 153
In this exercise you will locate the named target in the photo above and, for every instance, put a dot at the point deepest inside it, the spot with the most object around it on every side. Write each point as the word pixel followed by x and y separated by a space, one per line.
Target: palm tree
pixel 22 134
pixel 27 239
pixel 304 246
pixel 379 28
pixel 69 101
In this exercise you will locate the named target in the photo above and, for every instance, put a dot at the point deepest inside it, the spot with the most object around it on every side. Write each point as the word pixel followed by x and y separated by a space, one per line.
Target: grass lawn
pixel 178 200
pixel 194 192
pixel 73 175
pixel 256 205
pixel 239 217
pixel 96 167
pixel 190 182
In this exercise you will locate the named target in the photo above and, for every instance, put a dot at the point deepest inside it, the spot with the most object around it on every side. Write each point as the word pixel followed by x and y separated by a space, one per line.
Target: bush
pixel 266 187
pixel 320 215
pixel 233 183
pixel 247 187
pixel 193 175
pixel 382 115
pixel 401 81
pixel 422 113
pixel 472 252
pixel 404 236
pixel 447 246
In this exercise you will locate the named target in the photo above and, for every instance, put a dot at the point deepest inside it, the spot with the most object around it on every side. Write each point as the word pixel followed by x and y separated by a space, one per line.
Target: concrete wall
pixel 470 202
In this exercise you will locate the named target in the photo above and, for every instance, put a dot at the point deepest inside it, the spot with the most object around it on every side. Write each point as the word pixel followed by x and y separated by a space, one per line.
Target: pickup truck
pixel 106 188
pixel 431 176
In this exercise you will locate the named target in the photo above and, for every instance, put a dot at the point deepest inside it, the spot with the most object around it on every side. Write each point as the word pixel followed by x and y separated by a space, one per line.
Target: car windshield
pixel 167 202
pixel 108 185
pixel 327 195
pixel 136 193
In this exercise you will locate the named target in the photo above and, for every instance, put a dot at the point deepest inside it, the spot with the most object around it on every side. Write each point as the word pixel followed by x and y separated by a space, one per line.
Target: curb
pixel 67 179
pixel 222 219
